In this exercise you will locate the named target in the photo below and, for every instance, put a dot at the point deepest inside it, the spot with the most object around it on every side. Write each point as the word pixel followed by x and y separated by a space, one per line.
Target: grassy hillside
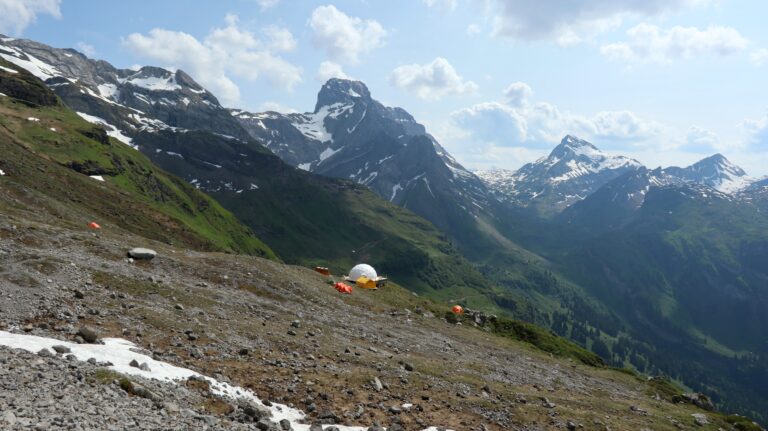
pixel 51 150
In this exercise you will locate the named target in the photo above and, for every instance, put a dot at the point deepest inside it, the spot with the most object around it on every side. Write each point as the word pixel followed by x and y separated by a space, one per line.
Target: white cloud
pixel 573 21
pixel 759 57
pixel 344 38
pixel 523 123
pixel 652 44
pixel 473 29
pixel 757 132
pixel 280 39
pixel 698 139
pixel 444 5
pixel 17 15
pixel 267 4
pixel 224 54
pixel 518 93
pixel 328 70
pixel 86 49
pixel 431 81
pixel 276 107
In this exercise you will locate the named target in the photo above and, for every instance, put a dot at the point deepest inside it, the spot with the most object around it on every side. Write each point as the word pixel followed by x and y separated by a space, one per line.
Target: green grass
pixel 137 195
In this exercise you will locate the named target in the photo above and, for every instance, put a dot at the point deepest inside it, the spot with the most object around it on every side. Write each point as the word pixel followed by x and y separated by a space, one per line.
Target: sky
pixel 497 82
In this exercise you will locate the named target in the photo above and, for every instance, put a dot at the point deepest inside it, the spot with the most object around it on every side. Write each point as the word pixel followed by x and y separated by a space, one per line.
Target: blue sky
pixel 499 82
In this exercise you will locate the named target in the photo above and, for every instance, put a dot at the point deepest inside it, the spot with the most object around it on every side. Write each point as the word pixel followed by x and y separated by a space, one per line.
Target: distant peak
pixel 338 90
pixel 718 161
pixel 572 146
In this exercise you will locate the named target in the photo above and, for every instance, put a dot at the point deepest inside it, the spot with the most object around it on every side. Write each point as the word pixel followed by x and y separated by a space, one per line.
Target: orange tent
pixel 94 225
pixel 343 288
pixel 457 309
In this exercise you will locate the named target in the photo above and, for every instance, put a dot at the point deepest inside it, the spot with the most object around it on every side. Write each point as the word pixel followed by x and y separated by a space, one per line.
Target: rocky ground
pixel 374 357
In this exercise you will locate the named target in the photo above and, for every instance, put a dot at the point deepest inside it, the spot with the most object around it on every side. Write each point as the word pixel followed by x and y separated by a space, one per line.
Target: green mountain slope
pixel 686 271
pixel 51 150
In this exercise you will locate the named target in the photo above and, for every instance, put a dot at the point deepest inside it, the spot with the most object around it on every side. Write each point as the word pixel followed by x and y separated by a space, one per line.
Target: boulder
pixel 89 335
pixel 142 253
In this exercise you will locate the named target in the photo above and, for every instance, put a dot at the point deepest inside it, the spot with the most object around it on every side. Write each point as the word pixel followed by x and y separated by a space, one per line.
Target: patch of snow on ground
pixel 328 152
pixel 52 129
pixel 97 178
pixel 365 111
pixel 2 173
pixel 111 130
pixel 305 166
pixel 313 125
pixel 9 70
pixel 108 91
pixel 212 164
pixel 33 119
pixel 34 66
pixel 171 153
pixel 731 185
pixel 396 188
pixel 119 352
pixel 3 95
pixel 155 83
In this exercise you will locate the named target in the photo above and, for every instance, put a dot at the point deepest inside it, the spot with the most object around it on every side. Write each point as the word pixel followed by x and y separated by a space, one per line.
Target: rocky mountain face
pixel 350 135
pixel 128 101
pixel 715 171
pixel 573 170
pixel 576 169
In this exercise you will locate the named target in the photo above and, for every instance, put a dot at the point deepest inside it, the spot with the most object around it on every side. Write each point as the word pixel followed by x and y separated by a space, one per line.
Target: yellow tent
pixel 365 283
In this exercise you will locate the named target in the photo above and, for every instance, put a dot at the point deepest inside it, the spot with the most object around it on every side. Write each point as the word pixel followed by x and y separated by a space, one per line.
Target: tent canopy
pixel 363 270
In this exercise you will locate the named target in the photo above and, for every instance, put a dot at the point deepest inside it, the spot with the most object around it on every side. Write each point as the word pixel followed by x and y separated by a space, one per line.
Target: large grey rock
pixel 88 334
pixel 139 253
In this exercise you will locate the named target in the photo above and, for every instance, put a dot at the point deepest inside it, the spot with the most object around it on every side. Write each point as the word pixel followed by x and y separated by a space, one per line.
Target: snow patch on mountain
pixel 9 70
pixel 313 125
pixel 120 353
pixel 32 64
pixel 111 130
pixel 153 83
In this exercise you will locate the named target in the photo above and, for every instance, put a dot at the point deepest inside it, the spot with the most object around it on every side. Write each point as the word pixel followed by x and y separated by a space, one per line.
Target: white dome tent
pixel 363 270
pixel 366 277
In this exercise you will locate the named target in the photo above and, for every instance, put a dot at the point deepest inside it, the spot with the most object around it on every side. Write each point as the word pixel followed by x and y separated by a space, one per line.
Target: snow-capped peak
pixel 719 173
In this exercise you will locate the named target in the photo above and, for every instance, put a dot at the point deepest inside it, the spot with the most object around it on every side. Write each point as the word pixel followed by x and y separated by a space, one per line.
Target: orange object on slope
pixel 457 309
pixel 343 288
pixel 94 225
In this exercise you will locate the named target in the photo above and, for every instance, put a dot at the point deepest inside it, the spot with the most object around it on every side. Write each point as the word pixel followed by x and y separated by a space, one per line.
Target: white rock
pixel 142 253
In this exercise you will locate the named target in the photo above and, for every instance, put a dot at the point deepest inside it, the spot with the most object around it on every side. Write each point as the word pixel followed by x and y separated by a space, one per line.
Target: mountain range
pixel 656 269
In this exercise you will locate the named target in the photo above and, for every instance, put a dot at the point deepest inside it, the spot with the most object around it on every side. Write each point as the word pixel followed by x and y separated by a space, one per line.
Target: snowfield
pixel 120 353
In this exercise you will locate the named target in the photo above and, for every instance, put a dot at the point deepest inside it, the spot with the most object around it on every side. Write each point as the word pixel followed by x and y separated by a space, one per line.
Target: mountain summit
pixel 572 171
pixel 715 171
pixel 350 135
pixel 342 91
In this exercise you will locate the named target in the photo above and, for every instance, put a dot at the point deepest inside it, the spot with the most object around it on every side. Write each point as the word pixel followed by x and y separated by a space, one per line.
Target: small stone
pixel 144 367
pixel 244 352
pixel 45 353
pixel 178 307
pixel 296 324
pixel 408 367
pixel 79 294
pixel 61 349
pixel 134 363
